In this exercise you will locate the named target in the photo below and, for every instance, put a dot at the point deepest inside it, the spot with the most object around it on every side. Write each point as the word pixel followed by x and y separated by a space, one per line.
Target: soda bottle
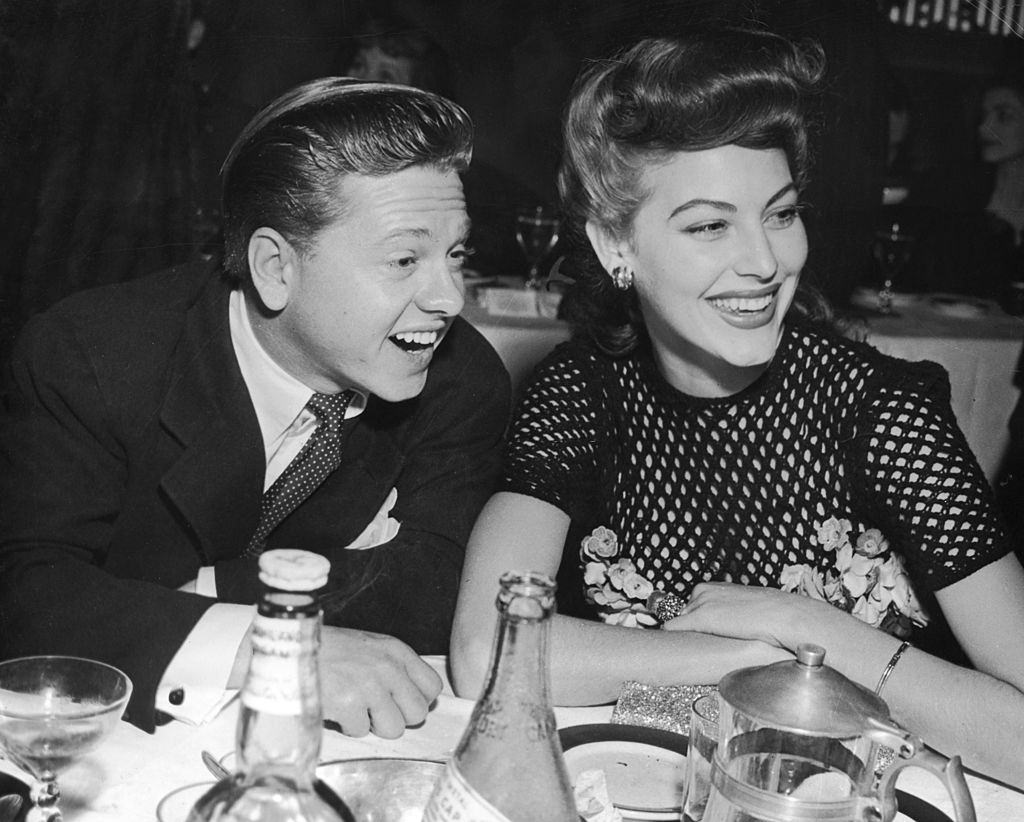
pixel 277 739
pixel 508 766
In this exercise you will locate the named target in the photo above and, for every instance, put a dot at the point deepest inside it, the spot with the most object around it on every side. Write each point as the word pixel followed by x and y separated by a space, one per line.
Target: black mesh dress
pixel 733 489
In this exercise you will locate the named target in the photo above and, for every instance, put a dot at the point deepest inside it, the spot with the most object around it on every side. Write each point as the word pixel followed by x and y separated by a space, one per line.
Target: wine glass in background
pixel 892 248
pixel 53 709
pixel 537 230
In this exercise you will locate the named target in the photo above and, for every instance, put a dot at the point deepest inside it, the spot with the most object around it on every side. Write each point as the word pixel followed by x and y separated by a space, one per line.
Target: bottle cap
pixel 288 569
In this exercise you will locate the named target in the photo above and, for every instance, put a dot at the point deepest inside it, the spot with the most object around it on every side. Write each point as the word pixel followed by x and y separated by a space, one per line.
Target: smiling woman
pixel 710 432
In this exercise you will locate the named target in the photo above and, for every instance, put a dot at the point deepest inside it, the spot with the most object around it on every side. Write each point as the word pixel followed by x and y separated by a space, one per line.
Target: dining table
pixel 977 343
pixel 126 777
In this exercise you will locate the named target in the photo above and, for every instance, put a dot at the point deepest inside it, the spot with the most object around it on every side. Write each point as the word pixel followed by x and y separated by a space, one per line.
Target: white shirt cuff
pixel 193 686
pixel 206 581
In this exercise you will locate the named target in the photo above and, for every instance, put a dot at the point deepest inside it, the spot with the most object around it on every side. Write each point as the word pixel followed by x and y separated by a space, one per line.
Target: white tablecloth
pixel 979 352
pixel 125 779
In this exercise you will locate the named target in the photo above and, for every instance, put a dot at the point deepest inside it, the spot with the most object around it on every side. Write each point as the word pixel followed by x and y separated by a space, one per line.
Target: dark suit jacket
pixel 132 456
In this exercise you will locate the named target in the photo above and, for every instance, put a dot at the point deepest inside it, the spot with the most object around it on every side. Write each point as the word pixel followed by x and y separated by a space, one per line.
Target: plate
pixel 11 785
pixel 645 768
pixel 176 805
pixel 917 810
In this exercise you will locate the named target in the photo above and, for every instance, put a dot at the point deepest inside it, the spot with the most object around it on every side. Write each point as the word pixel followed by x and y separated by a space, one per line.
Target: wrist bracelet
pixel 892 664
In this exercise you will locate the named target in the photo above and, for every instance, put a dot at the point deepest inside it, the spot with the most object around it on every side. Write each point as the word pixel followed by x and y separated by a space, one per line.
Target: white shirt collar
pixel 278 397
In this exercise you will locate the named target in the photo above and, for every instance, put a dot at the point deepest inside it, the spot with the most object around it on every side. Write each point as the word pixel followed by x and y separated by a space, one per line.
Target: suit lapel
pixel 217 481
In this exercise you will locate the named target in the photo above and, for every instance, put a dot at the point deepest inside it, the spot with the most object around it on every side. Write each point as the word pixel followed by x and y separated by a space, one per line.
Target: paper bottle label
pixel 455 800
pixel 272 685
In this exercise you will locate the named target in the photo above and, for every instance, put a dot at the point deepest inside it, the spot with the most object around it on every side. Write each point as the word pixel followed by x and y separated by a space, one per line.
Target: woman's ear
pixel 611 252
pixel 273 263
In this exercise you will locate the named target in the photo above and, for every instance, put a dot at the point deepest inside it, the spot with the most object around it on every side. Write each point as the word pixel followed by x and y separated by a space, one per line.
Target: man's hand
pixel 373 682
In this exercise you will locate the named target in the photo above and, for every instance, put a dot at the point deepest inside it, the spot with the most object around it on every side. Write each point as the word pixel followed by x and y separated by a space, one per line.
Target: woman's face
pixel 1001 131
pixel 717 249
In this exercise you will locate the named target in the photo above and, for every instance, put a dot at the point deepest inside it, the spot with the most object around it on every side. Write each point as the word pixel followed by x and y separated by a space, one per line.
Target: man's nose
pixel 443 292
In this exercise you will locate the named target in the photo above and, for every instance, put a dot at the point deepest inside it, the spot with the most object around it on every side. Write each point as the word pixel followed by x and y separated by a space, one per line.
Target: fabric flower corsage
pixel 868 579
pixel 613 585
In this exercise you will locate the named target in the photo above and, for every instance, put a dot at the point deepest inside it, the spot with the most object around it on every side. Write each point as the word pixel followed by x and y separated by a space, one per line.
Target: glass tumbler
pixel 699 754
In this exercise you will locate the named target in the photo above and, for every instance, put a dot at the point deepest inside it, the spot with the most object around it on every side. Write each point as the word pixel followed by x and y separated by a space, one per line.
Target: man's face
pixel 373 296
pixel 374 65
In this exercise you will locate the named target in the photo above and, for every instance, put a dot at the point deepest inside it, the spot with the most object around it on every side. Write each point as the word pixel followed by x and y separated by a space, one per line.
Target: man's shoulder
pixel 120 336
pixel 466 353
pixel 148 311
pixel 163 293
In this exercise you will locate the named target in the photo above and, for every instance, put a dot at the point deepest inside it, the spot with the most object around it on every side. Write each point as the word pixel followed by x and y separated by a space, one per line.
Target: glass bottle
pixel 277 738
pixel 508 764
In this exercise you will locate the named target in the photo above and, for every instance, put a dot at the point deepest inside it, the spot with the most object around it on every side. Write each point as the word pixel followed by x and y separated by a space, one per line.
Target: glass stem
pixel 45 794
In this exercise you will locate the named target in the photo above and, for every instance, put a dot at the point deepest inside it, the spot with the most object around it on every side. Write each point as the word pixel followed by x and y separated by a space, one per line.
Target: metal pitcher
pixel 799 741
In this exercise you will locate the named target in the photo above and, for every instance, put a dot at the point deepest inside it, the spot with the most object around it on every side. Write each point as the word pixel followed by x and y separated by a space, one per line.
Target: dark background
pixel 112 129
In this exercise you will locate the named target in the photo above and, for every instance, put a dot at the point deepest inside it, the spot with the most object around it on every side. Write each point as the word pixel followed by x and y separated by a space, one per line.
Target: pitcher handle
pixel 913 752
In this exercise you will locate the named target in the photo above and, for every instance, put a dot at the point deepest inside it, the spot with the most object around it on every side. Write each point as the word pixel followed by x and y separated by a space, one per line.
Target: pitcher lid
pixel 804 696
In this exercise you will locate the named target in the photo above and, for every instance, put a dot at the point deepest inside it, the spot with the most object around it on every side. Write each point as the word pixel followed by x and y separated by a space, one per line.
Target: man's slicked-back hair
pixel 285 169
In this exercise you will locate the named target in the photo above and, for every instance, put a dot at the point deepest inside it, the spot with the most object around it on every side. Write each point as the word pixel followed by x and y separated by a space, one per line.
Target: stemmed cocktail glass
pixel 892 249
pixel 536 232
pixel 53 709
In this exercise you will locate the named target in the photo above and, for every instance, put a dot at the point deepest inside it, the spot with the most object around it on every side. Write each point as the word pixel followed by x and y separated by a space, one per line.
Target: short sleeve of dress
pixel 925 479
pixel 553 443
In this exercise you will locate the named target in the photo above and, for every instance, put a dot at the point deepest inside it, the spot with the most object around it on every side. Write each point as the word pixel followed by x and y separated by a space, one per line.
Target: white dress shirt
pixel 193 686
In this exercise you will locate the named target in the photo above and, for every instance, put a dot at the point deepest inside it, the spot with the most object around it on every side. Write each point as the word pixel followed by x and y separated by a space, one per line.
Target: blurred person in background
pixel 390 50
pixel 968 221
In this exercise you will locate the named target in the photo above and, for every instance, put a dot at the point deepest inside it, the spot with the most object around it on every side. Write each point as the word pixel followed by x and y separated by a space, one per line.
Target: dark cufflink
pixel 177 696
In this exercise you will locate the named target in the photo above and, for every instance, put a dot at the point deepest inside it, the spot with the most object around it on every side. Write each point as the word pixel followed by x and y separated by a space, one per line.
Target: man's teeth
pixel 416 338
pixel 737 305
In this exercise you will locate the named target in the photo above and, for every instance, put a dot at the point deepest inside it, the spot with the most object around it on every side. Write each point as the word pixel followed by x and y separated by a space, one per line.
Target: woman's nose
pixel 757 257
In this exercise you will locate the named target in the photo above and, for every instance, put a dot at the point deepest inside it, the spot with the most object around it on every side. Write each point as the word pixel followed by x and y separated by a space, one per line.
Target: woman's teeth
pixel 414 340
pixel 741 305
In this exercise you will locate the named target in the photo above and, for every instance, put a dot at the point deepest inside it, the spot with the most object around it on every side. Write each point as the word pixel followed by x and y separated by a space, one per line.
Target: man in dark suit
pixel 152 421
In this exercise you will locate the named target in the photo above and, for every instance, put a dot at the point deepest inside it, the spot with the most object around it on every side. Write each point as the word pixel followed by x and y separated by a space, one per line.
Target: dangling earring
pixel 622 277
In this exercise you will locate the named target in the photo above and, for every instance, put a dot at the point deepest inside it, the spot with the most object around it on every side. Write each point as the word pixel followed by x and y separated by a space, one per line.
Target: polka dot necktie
pixel 312 465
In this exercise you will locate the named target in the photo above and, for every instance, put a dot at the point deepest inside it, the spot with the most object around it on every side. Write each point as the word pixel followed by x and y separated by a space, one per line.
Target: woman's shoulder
pixel 836 356
pixel 581 356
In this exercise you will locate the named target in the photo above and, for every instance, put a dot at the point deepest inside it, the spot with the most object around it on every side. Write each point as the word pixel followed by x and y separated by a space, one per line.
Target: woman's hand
pixel 765 614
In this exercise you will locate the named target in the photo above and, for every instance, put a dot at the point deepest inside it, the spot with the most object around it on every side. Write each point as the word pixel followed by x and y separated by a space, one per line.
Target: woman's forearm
pixel 590 661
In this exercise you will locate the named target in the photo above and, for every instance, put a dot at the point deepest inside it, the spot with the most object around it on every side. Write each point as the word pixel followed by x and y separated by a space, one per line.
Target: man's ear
pixel 273 263
pixel 610 251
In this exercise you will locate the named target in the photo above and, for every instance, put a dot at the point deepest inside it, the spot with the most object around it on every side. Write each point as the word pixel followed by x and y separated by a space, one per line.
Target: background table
pixel 980 353
pixel 125 779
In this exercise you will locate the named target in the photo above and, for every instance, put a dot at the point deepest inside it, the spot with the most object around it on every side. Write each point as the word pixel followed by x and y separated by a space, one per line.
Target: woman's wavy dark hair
pixel 711 88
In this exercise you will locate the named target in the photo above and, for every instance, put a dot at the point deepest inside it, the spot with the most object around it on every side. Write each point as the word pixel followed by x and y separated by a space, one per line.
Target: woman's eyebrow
pixel 700 201
pixel 782 192
pixel 722 205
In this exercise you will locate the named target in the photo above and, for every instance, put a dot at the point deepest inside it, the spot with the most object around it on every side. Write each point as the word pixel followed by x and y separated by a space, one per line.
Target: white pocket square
pixel 382 527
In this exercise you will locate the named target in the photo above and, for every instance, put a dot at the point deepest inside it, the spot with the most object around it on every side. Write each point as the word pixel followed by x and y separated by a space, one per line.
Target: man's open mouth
pixel 414 341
